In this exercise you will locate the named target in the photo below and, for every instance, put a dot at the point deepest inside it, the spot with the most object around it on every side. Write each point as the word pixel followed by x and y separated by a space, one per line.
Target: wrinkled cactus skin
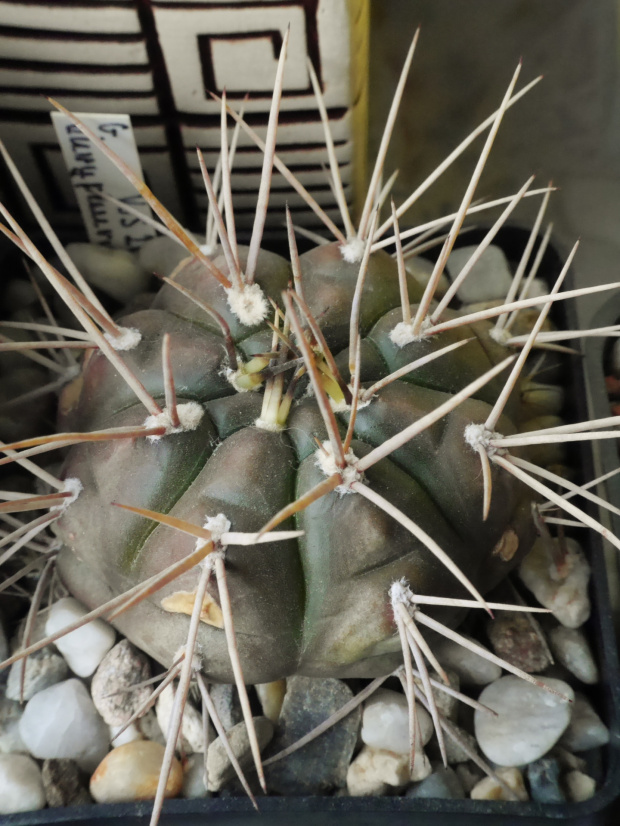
pixel 318 605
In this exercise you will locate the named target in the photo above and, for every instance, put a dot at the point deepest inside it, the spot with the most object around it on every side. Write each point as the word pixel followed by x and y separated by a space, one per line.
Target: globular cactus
pixel 322 435
pixel 317 604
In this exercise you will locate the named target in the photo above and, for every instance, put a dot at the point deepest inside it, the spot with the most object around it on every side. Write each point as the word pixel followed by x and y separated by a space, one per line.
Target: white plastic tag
pixel 92 174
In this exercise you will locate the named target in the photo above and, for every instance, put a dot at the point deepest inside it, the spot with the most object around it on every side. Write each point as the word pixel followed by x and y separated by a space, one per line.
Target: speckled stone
pixel 515 640
pixel 10 714
pixel 122 667
pixel 564 591
pixel 226 701
pixel 63 783
pixel 42 670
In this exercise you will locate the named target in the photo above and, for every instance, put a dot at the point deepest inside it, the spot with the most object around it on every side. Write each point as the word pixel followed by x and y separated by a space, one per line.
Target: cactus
pixel 280 462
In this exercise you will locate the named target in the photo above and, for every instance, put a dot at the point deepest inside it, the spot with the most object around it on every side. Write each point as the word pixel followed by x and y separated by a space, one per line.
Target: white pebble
pixel 191 736
pixel 194 777
pixel 563 590
pixel 21 786
pixel 116 272
pixel 385 722
pixel 490 277
pixel 84 648
pixel 161 255
pixel 529 721
pixel 62 721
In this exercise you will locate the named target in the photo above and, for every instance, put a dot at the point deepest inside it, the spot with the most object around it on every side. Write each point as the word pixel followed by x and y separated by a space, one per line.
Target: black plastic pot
pixel 603 808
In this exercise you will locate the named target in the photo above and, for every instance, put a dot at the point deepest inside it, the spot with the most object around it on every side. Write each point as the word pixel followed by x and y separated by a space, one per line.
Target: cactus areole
pixel 256 441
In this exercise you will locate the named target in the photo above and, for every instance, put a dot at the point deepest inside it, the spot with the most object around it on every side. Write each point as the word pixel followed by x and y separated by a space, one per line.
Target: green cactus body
pixel 317 605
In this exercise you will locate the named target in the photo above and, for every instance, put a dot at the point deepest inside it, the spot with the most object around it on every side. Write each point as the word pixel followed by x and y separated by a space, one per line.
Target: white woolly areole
pixel 208 249
pixel 189 413
pixel 353 251
pixel 326 462
pixel 273 427
pixel 403 332
pixel 500 335
pixel 73 486
pixel 401 592
pixel 127 338
pixel 248 304
pixel 478 434
pixel 218 526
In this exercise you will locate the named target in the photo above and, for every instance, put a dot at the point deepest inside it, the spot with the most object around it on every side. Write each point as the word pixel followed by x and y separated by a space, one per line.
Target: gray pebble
pixel 10 715
pixel 150 729
pixel 469 774
pixel 219 768
pixel 443 784
pixel 544 779
pixel 42 670
pixel 122 667
pixel 62 783
pixel 161 255
pixel 455 753
pixel 226 702
pixel 586 730
pixel 4 642
pixel 572 649
pixel 471 668
pixel 490 277
pixel 322 765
